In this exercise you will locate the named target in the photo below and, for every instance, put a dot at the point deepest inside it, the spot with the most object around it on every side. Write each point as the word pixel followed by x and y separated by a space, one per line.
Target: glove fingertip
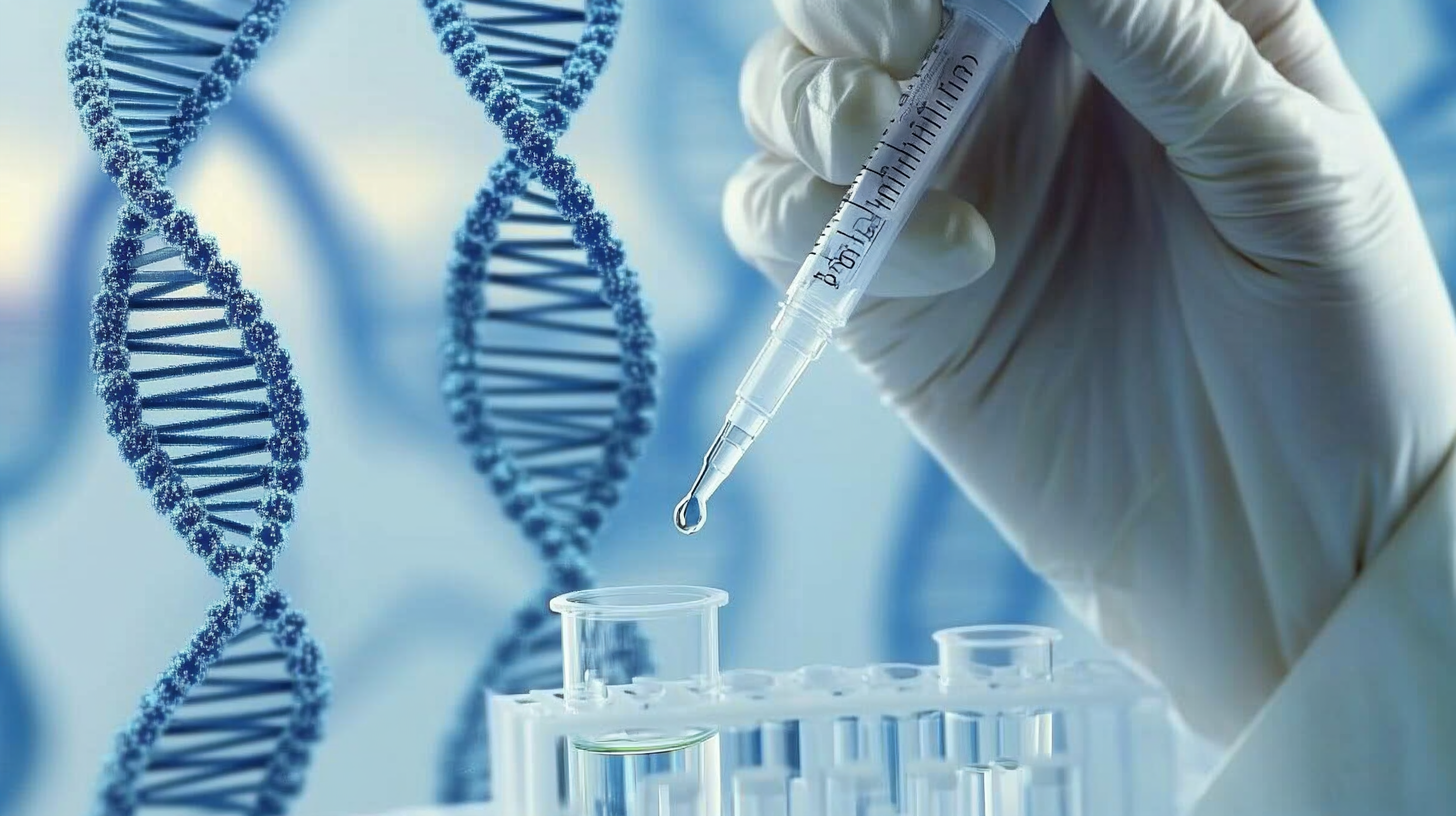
pixel 739 217
pixel 773 56
pixel 769 206
pixel 836 111
pixel 947 245
pixel 895 35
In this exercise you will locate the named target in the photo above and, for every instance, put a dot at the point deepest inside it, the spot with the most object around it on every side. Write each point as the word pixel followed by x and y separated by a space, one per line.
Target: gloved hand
pixel 1173 322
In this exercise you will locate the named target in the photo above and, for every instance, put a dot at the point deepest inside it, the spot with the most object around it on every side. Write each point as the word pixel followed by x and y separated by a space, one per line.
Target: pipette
pixel 977 38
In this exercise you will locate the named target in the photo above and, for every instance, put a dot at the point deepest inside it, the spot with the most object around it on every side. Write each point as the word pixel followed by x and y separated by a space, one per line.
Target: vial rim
pixel 597 603
pixel 998 635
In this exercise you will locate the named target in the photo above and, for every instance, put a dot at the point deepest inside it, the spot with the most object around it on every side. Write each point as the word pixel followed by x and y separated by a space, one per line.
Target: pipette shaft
pixel 977 38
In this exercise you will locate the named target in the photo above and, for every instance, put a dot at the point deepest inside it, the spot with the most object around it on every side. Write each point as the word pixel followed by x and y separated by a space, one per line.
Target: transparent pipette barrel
pixel 976 40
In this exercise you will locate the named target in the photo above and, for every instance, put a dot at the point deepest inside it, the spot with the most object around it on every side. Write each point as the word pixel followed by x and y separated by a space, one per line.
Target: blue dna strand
pixel 48 349
pixel 214 427
pixel 548 358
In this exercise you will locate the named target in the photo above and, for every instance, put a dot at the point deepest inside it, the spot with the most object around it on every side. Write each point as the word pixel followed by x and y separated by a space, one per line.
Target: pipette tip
pixel 692 512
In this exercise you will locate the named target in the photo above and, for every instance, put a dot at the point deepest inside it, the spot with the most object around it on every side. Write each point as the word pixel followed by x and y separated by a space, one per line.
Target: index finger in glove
pixel 1292 35
pixel 825 112
pixel 891 34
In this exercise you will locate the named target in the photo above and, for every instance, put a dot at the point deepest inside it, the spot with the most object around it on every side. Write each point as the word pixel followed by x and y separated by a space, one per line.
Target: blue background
pixel 336 178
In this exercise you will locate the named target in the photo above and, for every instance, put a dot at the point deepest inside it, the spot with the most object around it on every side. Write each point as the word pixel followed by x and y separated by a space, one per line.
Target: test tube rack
pixel 1082 739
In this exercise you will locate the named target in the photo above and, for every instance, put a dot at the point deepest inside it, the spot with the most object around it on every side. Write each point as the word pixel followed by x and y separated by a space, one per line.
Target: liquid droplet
pixel 690 514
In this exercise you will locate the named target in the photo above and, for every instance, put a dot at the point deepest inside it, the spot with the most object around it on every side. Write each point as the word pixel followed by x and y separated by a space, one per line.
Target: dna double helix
pixel 548 358
pixel 213 425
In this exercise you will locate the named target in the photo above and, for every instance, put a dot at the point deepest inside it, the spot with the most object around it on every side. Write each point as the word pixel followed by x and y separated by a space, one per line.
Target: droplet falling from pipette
pixel 690 514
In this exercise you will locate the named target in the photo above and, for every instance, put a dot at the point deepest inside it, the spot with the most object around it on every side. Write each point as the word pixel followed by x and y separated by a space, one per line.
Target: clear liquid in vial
pixel 647 773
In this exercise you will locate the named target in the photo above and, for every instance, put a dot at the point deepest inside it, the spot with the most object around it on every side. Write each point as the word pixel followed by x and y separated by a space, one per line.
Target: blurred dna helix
pixel 549 361
pixel 214 429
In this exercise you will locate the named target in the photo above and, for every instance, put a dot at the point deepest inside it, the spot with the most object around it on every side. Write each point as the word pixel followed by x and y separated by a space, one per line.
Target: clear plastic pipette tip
pixel 692 512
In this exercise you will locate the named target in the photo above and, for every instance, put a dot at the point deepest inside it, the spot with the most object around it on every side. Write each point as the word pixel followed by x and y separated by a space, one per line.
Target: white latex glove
pixel 1208 373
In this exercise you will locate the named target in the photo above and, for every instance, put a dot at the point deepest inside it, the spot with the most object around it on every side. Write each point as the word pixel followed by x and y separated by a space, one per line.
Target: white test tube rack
pixel 995 729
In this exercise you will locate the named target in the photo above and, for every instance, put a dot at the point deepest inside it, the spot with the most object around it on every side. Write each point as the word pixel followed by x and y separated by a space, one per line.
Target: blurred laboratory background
pixel 336 178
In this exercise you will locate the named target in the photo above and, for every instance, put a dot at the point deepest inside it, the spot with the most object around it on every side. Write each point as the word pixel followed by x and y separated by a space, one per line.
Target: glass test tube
pixel 779 744
pixel 1008 789
pixel 637 771
pixel 761 792
pixel 931 789
pixel 969 737
pixel 674 794
pixel 743 745
pixel 817 734
pixel 1054 788
pixel 996 657
pixel 850 790
pixel 893 741
pixel 973 790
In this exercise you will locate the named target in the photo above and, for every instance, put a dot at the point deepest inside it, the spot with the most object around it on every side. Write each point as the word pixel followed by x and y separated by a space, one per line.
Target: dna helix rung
pixel 548 358
pixel 201 398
